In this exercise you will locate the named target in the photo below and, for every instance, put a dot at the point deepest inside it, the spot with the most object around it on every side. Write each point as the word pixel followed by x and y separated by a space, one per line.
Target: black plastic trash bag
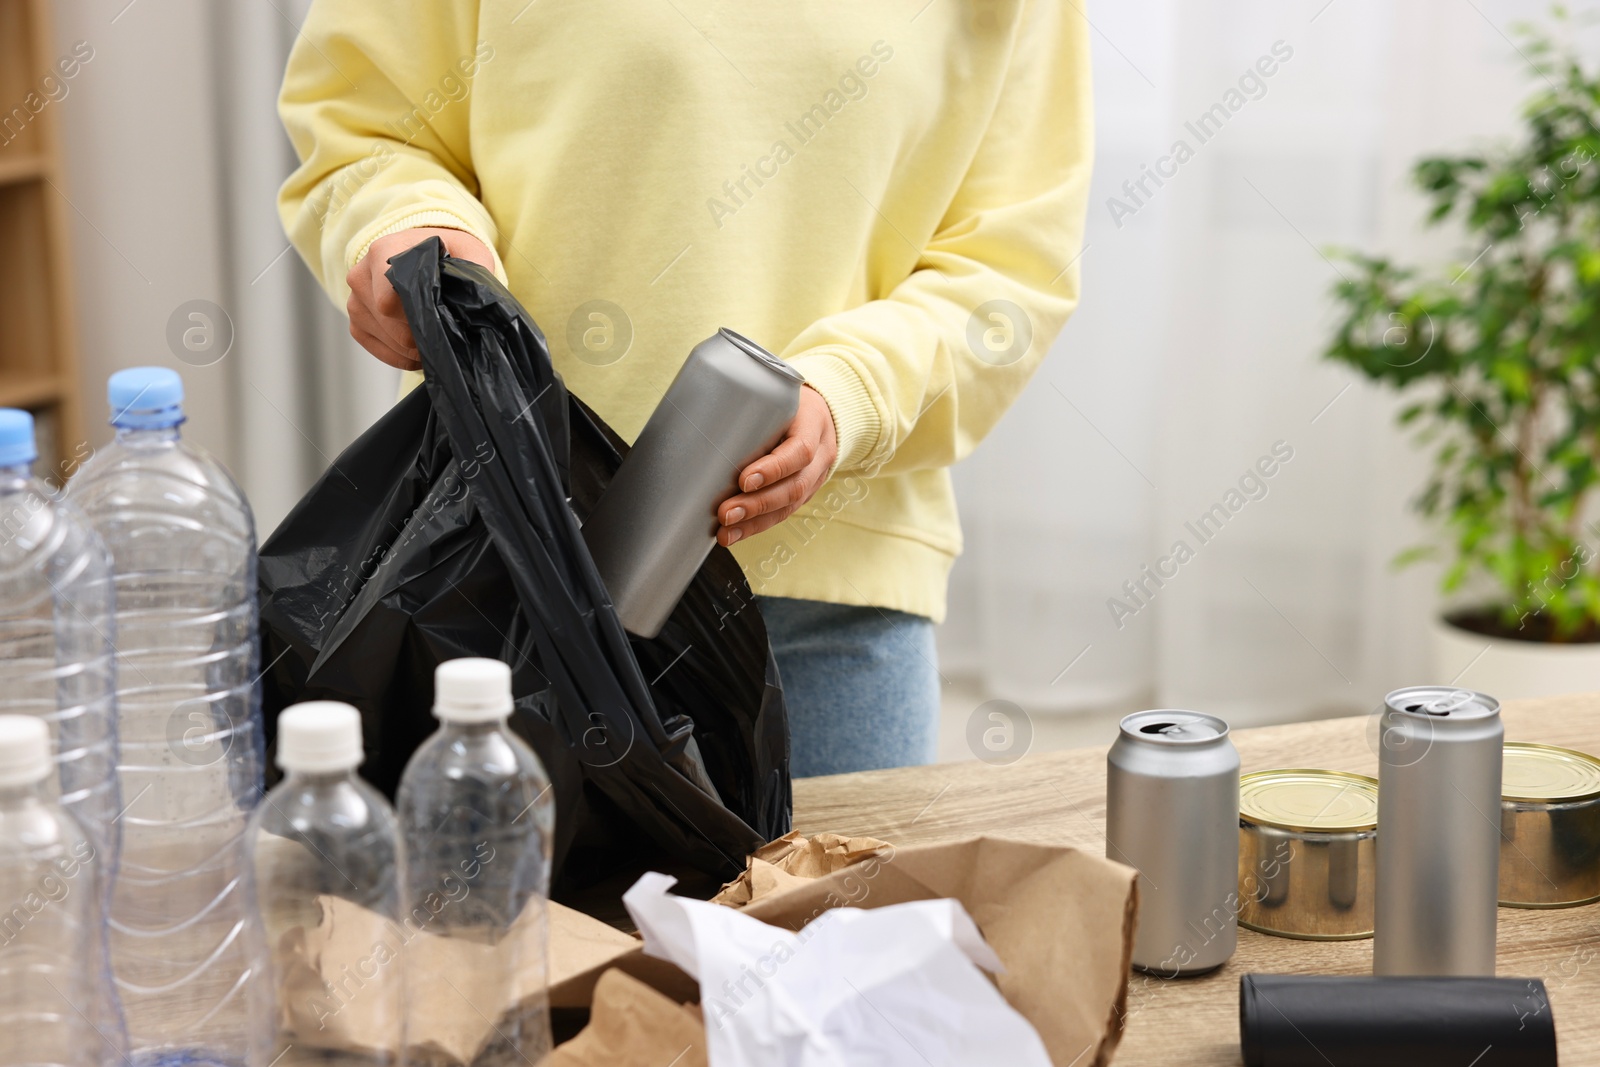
pixel 451 528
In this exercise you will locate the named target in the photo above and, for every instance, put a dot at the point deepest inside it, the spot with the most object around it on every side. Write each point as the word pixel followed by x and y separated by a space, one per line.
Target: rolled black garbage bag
pixel 451 528
pixel 1290 1020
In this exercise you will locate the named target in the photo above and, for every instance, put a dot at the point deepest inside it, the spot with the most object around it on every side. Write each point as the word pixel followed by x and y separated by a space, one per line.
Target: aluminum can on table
pixel 1172 811
pixel 1439 757
pixel 656 522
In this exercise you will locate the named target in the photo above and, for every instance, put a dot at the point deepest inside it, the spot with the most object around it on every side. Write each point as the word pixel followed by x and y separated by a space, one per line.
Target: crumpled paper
pixel 795 858
pixel 896 986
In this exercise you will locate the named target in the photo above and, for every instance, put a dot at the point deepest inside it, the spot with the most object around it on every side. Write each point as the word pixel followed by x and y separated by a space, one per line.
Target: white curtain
pixel 304 389
pixel 1195 353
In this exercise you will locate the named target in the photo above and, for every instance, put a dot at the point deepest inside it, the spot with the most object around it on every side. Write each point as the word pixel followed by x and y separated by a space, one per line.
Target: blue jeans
pixel 860 683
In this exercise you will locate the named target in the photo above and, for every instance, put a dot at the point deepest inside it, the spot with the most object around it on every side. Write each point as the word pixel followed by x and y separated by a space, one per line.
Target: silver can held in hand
pixel 1439 760
pixel 1172 811
pixel 656 522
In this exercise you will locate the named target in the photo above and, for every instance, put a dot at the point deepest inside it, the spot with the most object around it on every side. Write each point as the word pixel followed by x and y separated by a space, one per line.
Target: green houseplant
pixel 1499 359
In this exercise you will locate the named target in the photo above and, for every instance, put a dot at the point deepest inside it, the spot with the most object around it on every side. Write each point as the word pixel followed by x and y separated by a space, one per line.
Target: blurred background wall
pixel 174 155
pixel 1193 356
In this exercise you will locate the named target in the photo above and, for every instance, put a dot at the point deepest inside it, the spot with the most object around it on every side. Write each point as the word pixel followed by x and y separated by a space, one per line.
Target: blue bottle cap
pixel 145 398
pixel 16 438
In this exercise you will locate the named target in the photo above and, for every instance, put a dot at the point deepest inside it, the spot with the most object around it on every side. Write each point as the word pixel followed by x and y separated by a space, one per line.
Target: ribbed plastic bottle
pixel 182 543
pixel 56 632
pixel 325 849
pixel 478 821
pixel 47 861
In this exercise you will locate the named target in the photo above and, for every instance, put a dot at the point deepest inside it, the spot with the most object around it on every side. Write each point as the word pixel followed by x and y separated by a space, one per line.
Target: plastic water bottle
pixel 478 820
pixel 182 543
pixel 56 627
pixel 47 861
pixel 326 853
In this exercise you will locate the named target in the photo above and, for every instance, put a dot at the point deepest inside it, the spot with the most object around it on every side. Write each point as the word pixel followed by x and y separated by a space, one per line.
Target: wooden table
pixel 1059 798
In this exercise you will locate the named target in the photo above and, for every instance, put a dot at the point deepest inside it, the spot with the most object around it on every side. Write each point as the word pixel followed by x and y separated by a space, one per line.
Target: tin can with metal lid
pixel 1172 811
pixel 1308 846
pixel 1549 827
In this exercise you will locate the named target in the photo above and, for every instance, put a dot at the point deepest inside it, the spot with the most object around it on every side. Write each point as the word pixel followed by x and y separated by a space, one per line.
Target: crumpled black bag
pixel 451 528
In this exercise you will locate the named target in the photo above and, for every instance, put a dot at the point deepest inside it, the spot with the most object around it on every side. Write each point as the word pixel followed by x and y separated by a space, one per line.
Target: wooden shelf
pixel 38 343
pixel 22 168
pixel 29 391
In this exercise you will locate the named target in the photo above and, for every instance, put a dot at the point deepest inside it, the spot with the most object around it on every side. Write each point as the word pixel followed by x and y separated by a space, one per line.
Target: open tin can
pixel 1307 853
pixel 1549 827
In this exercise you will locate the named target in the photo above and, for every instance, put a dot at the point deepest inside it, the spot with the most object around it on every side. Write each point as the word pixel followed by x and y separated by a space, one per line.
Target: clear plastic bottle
pixel 326 853
pixel 56 627
pixel 478 821
pixel 182 543
pixel 47 860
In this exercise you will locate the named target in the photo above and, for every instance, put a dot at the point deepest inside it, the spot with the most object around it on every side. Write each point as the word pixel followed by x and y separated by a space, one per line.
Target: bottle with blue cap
pixel 183 550
pixel 326 855
pixel 56 632
pixel 478 822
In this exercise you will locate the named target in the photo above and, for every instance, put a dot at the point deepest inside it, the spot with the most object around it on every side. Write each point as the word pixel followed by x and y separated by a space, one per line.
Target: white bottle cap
pixel 24 750
pixel 319 737
pixel 472 690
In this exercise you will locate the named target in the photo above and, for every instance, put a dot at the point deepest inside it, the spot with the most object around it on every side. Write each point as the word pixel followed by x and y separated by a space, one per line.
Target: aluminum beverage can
pixel 1172 811
pixel 1439 761
pixel 729 404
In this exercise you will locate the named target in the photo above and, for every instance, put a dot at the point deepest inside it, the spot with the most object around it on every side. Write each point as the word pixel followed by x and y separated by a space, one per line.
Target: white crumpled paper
pixel 896 986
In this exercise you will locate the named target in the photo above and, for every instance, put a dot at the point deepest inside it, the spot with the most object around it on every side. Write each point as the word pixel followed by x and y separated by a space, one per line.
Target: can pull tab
pixel 1180 731
pixel 1443 705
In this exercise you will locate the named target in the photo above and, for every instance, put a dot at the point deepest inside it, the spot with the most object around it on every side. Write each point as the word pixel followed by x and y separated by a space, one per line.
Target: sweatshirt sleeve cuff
pixel 856 421
pixel 434 218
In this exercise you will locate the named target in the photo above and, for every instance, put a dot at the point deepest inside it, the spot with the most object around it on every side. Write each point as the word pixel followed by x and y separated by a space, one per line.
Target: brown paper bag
pixel 632 1025
pixel 581 948
pixel 1061 921
pixel 316 959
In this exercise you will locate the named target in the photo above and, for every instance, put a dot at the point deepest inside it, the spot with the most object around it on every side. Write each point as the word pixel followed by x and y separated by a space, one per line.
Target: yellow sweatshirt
pixel 887 193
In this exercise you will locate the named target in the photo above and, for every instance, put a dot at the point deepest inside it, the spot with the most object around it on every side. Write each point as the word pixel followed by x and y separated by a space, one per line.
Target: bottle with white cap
pixel 56 629
pixel 182 544
pixel 326 854
pixel 47 877
pixel 479 820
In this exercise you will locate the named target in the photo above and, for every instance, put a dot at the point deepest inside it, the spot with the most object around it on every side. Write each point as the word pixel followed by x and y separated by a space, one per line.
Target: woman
pixel 887 193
